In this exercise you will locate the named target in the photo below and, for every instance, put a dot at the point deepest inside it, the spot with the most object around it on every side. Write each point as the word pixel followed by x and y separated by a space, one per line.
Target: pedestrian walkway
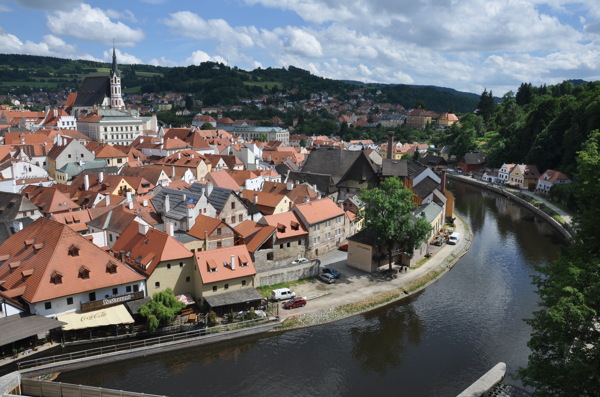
pixel 565 215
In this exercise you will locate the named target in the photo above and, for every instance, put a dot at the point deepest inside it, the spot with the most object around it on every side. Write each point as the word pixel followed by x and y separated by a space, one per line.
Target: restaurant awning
pixel 98 318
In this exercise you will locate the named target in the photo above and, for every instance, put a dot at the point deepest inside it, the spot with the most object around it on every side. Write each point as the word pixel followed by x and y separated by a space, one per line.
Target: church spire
pixel 115 68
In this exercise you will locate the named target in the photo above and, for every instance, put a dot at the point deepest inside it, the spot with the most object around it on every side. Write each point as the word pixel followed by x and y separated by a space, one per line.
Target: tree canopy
pixel 565 341
pixel 389 214
pixel 160 311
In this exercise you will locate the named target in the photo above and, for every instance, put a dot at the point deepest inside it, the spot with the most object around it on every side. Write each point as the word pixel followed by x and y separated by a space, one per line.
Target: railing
pixel 127 346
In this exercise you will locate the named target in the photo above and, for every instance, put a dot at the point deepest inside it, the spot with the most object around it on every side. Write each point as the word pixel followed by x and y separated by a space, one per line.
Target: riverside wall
pixel 566 232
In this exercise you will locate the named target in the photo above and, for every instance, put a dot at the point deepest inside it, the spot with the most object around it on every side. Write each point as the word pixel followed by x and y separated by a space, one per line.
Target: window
pixel 115 291
pixel 281 246
pixel 288 244
pixel 226 286
pixel 180 264
pixel 233 205
pixel 214 288
pixel 48 305
pixel 128 288
pixel 69 156
pixel 218 231
pixel 92 296
pixel 327 223
pixel 187 279
pixel 328 235
pixel 168 265
pixel 243 283
pixel 136 288
pixel 110 237
pixel 157 284
pixel 299 242
pixel 70 300
pixel 233 219
pixel 240 218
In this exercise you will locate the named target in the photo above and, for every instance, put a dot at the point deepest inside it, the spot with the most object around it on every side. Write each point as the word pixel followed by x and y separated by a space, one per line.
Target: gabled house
pixel 229 207
pixel 297 193
pixel 16 206
pixel 163 260
pixel 551 178
pixel 53 270
pixel 225 280
pixel 49 200
pixel 223 179
pixel 181 207
pixel 268 203
pixel 472 161
pixel 326 224
pixel 154 174
pixel 197 163
pixel 524 176
pixel 291 236
pixel 67 151
pixel 504 172
pixel 212 233
pixel 258 239
pixel 111 224
pixel 113 156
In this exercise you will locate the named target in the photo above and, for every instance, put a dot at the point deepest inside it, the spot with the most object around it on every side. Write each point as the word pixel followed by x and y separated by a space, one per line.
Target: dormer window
pixel 84 272
pixel 111 267
pixel 212 265
pixel 56 278
pixel 29 242
pixel 73 250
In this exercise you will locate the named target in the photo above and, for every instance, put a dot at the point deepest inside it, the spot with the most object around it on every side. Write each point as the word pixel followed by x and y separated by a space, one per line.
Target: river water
pixel 434 344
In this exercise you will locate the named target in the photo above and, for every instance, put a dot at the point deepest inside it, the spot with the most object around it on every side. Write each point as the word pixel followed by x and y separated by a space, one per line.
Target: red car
pixel 294 303
pixel 344 247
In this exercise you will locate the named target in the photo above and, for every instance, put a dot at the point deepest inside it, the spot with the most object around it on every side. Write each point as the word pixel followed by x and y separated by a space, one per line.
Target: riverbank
pixel 356 292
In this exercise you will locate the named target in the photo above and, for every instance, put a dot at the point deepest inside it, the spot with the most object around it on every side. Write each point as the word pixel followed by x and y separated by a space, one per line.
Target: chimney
pixel 190 218
pixel 232 262
pixel 443 181
pixel 86 182
pixel 170 229
pixel 255 198
pixel 184 198
pixel 129 201
pixel 167 204
pixel 208 189
pixel 290 185
pixel 145 202
pixel 178 155
pixel 143 229
pixel 17 226
pixel 107 200
pixel 172 172
pixel 101 177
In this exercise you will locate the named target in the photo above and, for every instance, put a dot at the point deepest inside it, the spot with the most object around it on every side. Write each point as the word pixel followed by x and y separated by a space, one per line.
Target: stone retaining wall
pixel 567 234
pixel 288 273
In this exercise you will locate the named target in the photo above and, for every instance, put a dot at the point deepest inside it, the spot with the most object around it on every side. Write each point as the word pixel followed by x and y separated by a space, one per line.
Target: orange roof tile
pixel 318 210
pixel 215 259
pixel 287 224
pixel 254 234
pixel 205 225
pixel 63 252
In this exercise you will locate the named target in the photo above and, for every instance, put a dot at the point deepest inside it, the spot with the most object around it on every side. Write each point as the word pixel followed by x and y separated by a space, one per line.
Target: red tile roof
pixel 62 255
pixel 287 223
pixel 318 211
pixel 215 259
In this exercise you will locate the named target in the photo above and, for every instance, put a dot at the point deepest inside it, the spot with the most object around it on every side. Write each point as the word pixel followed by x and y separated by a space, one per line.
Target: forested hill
pixel 217 84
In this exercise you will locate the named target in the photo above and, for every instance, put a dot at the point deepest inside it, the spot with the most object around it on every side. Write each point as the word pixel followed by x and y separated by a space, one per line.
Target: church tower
pixel 116 101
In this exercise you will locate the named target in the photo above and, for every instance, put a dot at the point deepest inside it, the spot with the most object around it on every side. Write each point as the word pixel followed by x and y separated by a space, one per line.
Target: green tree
pixel 389 214
pixel 303 142
pixel 486 106
pixel 160 311
pixel 262 138
pixel 207 126
pixel 565 339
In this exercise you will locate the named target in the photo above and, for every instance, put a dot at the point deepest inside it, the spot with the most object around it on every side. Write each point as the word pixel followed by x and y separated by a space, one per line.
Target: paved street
pixel 355 285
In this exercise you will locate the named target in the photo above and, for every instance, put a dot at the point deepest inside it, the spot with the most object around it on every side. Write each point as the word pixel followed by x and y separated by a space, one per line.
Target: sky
pixel 468 45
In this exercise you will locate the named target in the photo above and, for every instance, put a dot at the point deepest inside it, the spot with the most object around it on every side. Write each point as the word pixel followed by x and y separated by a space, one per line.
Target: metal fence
pixel 128 346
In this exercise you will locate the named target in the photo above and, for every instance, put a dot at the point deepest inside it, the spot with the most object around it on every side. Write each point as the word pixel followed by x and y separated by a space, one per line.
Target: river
pixel 434 344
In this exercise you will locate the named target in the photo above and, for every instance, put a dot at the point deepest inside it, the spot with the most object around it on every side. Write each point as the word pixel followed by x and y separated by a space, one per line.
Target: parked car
pixel 282 293
pixel 332 271
pixel 294 303
pixel 302 260
pixel 454 237
pixel 344 247
pixel 326 277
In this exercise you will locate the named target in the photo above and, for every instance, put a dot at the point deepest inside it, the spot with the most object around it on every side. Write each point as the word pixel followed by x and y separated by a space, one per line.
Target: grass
pixel 265 290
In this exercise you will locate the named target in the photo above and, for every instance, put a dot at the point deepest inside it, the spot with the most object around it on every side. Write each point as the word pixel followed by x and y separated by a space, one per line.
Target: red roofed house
pixel 325 223
pixel 258 239
pixel 226 279
pixel 159 256
pixel 549 179
pixel 113 156
pixel 291 236
pixel 54 270
pixel 212 233
pixel 268 203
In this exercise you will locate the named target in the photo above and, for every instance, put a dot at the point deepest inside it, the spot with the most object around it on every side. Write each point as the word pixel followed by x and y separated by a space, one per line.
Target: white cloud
pixel 4 8
pixel 92 24
pixel 51 46
pixel 198 57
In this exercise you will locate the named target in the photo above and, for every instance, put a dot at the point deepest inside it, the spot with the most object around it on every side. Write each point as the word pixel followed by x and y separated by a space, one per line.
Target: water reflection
pixel 380 346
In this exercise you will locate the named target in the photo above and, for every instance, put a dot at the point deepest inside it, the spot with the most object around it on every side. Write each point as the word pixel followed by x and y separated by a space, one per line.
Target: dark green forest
pixel 217 84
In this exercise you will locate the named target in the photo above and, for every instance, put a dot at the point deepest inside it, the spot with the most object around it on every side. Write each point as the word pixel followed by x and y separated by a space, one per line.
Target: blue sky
pixel 469 45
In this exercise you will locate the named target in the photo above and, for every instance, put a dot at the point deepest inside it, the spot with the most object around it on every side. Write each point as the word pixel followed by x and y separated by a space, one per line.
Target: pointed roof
pixel 205 225
pixel 114 70
pixel 44 261
pixel 147 251
pixel 254 234
pixel 218 258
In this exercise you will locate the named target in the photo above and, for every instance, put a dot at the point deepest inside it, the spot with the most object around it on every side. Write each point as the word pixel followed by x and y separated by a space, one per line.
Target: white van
pixel 282 293
pixel 454 237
